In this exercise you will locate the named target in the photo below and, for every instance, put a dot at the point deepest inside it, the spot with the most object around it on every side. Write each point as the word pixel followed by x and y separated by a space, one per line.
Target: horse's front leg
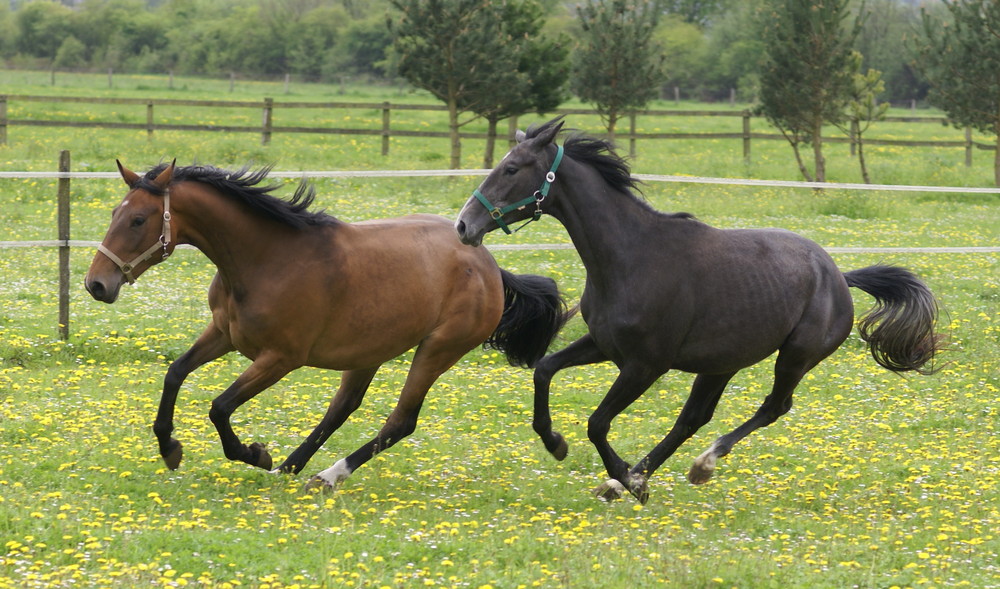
pixel 631 383
pixel 581 352
pixel 267 369
pixel 210 345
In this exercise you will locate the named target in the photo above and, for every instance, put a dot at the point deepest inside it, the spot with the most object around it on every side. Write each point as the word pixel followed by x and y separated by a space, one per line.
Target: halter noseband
pixel 162 242
pixel 497 213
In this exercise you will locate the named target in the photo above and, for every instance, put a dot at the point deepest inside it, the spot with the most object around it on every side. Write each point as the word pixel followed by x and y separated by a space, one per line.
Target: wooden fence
pixel 267 128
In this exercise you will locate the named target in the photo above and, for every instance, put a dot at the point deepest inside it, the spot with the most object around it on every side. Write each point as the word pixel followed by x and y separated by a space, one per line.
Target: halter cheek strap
pixel 161 243
pixel 497 213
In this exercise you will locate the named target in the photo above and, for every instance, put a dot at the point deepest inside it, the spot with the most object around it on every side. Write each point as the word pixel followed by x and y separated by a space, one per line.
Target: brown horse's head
pixel 139 235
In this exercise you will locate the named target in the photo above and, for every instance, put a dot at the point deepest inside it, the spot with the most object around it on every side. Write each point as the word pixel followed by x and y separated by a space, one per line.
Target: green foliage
pixel 617 67
pixel 734 48
pixel 684 53
pixel 478 56
pixel 882 44
pixel 864 108
pixel 961 58
pixel 42 26
pixel 806 79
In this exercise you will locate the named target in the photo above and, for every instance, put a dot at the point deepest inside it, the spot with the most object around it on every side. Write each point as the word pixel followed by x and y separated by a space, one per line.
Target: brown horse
pixel 301 288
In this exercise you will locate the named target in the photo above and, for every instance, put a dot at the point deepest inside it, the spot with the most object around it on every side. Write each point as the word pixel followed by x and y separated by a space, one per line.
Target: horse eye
pixel 510 170
pixel 138 221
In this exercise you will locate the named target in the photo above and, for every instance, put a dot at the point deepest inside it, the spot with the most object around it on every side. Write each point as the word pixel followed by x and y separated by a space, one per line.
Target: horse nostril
pixel 460 227
pixel 95 288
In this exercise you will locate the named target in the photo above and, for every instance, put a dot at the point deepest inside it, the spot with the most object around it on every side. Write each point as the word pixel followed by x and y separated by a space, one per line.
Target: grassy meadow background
pixel 872 480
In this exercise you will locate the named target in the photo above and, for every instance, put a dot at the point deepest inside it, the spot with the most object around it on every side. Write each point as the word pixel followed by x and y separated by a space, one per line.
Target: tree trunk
pixel 861 160
pixel 802 165
pixel 456 142
pixel 817 143
pixel 491 140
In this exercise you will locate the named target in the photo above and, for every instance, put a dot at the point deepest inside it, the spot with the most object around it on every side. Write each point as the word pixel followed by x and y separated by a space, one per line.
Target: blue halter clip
pixel 497 213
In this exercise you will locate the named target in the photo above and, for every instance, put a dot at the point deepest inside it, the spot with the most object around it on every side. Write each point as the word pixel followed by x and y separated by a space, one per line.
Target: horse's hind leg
pixel 210 345
pixel 353 386
pixel 787 375
pixel 582 351
pixel 429 362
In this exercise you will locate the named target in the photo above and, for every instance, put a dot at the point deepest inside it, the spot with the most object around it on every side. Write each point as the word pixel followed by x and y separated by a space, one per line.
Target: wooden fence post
pixel 746 137
pixel 268 123
pixel 968 147
pixel 149 120
pixel 63 224
pixel 511 132
pixel 3 119
pixel 385 128
pixel 631 134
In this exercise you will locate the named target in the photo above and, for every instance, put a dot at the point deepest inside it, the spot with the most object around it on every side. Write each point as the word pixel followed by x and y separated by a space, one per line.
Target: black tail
pixel 533 313
pixel 900 328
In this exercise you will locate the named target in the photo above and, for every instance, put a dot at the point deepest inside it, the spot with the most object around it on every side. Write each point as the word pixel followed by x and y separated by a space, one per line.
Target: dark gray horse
pixel 665 291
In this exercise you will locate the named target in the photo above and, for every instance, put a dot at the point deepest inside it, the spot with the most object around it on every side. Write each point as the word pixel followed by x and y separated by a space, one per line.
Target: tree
pixel 8 31
pixel 71 54
pixel 41 28
pixel 807 77
pixel 684 53
pixel 117 32
pixel 617 66
pixel 961 59
pixel 863 108
pixel 532 74
pixel 697 12
pixel 734 42
pixel 452 49
pixel 881 43
pixel 361 49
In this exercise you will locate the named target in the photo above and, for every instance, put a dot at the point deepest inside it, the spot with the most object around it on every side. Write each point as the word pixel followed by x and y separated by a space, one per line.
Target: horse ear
pixel 549 133
pixel 520 135
pixel 128 175
pixel 164 178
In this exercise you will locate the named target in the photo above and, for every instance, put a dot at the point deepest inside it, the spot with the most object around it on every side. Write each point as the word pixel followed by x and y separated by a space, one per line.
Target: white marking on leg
pixel 706 461
pixel 336 473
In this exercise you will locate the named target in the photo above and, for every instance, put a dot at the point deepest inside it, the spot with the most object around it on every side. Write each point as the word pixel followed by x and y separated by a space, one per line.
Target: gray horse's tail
pixel 900 328
pixel 533 313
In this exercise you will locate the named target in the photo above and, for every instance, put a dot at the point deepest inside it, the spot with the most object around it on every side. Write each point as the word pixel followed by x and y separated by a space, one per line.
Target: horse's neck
pixel 232 237
pixel 605 227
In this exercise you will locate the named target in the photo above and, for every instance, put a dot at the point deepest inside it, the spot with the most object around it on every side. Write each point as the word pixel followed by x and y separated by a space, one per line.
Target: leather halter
pixel 161 243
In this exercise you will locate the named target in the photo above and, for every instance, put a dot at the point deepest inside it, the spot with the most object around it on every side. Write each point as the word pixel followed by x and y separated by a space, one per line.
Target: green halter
pixel 497 213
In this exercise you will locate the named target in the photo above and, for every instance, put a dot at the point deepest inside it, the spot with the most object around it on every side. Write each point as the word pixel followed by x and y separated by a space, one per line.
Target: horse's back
pixel 362 293
pixel 741 294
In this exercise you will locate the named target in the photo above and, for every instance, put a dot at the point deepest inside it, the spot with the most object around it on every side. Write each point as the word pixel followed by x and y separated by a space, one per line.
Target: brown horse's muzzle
pixel 104 280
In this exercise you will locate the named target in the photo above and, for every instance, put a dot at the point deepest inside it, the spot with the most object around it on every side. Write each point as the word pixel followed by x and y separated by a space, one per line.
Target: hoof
pixel 317 484
pixel 639 488
pixel 701 471
pixel 260 456
pixel 173 456
pixel 609 490
pixel 561 448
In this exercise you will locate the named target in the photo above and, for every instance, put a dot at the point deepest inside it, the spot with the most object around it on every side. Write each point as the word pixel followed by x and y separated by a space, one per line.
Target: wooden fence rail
pixel 268 106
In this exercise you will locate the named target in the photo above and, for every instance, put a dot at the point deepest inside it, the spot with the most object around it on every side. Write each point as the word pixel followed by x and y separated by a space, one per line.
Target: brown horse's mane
pixel 245 186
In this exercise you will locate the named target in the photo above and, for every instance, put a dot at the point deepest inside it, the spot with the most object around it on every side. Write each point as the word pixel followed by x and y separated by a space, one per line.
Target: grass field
pixel 872 480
